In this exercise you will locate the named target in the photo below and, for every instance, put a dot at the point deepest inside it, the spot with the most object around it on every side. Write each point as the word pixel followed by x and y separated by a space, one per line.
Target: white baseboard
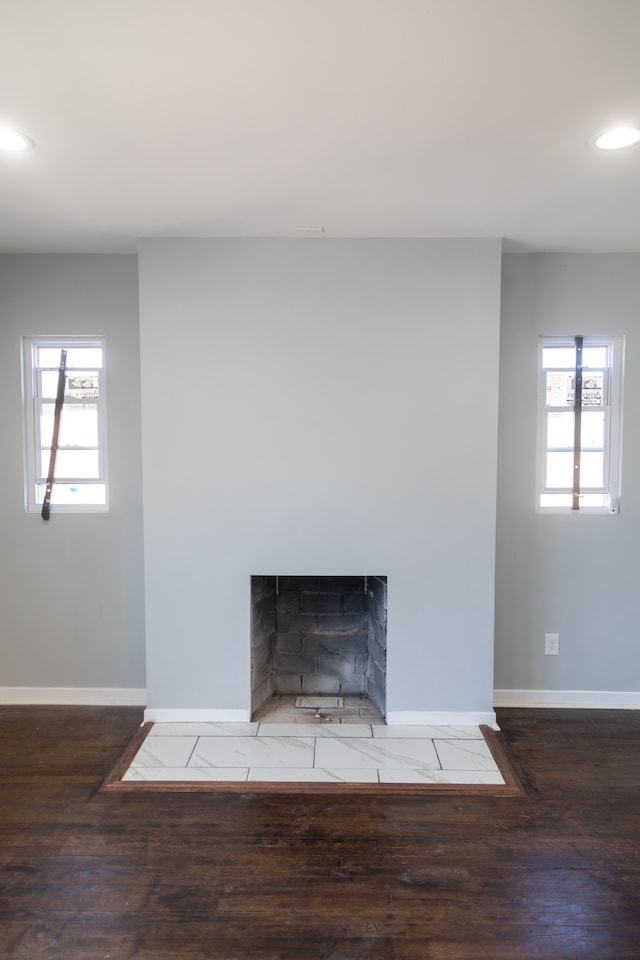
pixel 441 718
pixel 137 697
pixel 578 699
pixel 179 715
pixel 74 696
pixel 400 718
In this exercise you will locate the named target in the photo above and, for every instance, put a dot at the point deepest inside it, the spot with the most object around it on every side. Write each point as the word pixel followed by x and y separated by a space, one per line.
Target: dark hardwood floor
pixel 87 875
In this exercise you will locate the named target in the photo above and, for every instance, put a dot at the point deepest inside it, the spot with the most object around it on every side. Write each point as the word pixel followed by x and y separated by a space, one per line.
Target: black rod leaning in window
pixel 577 424
pixel 56 430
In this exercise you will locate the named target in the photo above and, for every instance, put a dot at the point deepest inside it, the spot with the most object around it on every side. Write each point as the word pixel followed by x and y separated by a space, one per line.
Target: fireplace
pixel 331 436
pixel 318 636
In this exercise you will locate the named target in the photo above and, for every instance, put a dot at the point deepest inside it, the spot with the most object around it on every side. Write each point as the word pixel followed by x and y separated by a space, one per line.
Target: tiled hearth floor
pixel 316 749
pixel 282 709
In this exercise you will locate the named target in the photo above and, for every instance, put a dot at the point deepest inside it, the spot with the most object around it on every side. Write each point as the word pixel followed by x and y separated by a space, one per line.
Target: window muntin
pixel 600 424
pixel 80 473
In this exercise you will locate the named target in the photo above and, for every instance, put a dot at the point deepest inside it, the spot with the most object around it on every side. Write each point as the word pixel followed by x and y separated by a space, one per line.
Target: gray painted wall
pixel 71 591
pixel 576 575
pixel 258 356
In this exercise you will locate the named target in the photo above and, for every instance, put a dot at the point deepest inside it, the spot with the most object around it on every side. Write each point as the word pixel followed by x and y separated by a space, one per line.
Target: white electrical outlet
pixel 552 644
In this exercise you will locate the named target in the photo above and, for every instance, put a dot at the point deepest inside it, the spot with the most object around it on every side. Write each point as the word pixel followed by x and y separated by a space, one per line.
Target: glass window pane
pixel 556 500
pixel 79 386
pixel 558 357
pixel 560 431
pixel 591 431
pixel 46 424
pixel 591 469
pixel 601 359
pixel 80 459
pixel 82 494
pixel 595 357
pixel 78 425
pixel 566 500
pixel 560 389
pixel 78 357
pixel 49 383
pixel 592 389
pixel 73 464
pixel 82 385
pixel 594 500
pixel 559 470
pixel 48 356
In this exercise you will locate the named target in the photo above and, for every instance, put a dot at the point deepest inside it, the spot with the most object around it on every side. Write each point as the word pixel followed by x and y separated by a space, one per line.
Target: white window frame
pixel 34 444
pixel 610 491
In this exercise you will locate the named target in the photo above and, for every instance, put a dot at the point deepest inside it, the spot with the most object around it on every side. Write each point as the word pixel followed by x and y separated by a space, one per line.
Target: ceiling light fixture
pixel 616 138
pixel 13 141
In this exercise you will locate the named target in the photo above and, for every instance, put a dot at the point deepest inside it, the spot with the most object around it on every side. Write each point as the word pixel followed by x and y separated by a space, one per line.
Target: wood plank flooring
pixel 89 875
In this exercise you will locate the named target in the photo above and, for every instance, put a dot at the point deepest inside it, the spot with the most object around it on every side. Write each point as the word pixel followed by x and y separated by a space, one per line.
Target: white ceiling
pixel 370 118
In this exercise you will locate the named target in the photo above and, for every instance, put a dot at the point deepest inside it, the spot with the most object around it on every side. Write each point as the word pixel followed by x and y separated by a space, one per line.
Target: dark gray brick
pixel 341 623
pixel 314 683
pixel 377 588
pixel 355 602
pixel 376 675
pixel 378 634
pixel 287 684
pixel 340 665
pixel 294 622
pixel 321 602
pixel 295 663
pixel 321 643
pixel 288 642
pixel 261 660
pixel 263 692
pixel 355 642
pixel 297 583
pixel 376 650
pixel 341 584
pixel 289 601
pixel 377 611
pixel 262 587
pixel 376 695
pixel 352 684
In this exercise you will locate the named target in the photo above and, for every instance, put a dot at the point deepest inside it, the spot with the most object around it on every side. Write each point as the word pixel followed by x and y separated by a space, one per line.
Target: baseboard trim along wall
pixel 399 718
pixel 137 697
pixel 74 696
pixel 163 715
pixel 578 699
pixel 440 718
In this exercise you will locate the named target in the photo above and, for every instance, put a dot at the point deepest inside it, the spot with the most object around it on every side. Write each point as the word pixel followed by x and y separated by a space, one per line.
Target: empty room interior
pixel 319 336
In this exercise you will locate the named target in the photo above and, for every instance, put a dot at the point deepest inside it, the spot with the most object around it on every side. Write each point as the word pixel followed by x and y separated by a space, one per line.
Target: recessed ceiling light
pixel 616 138
pixel 11 140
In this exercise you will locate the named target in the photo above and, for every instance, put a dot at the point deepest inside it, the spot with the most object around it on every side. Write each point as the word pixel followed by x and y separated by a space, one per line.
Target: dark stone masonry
pixel 318 635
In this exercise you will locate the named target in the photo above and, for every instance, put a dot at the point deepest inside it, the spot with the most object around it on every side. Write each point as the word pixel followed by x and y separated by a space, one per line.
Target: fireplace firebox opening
pixel 318 636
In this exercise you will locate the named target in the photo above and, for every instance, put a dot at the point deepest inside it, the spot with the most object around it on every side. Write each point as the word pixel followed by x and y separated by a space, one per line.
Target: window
pixel 580 424
pixel 80 470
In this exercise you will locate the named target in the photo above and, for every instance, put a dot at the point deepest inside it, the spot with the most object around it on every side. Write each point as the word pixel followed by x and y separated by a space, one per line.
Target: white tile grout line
pixel 192 752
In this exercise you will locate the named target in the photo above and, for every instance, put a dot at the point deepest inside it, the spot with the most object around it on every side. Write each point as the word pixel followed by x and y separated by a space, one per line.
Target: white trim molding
pixel 441 718
pixel 179 715
pixel 74 696
pixel 578 699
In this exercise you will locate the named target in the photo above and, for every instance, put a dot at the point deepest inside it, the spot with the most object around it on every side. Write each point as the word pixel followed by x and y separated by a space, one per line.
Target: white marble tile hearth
pixel 313 753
